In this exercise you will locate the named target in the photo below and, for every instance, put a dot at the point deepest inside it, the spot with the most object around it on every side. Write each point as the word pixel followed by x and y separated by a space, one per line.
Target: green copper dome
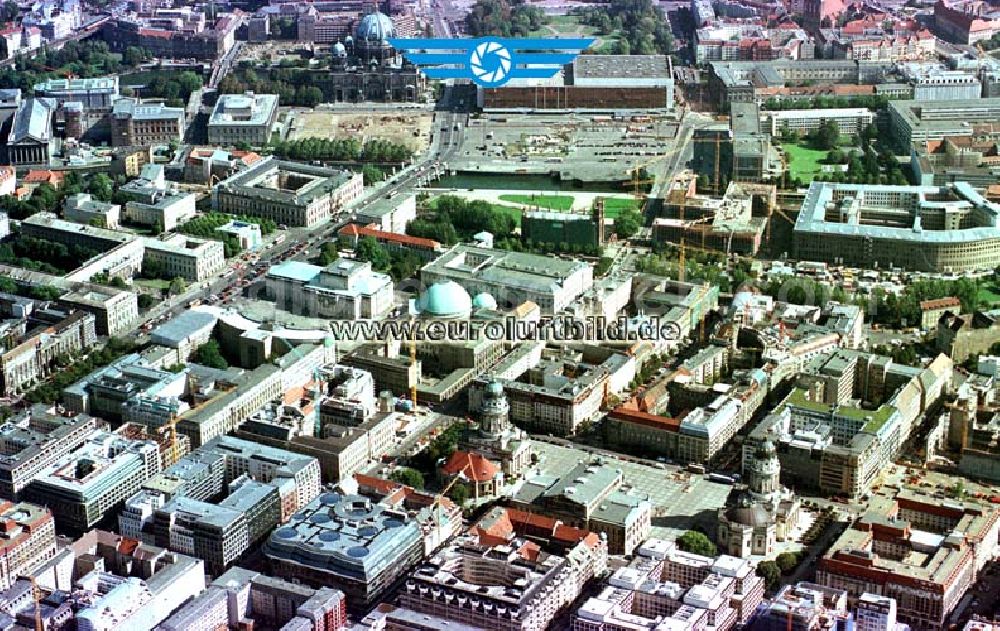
pixel 445 300
pixel 484 301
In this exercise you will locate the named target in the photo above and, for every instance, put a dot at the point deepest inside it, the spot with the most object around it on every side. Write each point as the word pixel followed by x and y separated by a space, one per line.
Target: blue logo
pixel 491 61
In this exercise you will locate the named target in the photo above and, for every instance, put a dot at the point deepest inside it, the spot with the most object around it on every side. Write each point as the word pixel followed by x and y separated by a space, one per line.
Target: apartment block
pixel 190 258
pixel 91 482
pixel 288 193
pixel 136 123
pixel 665 587
pixel 262 600
pixel 54 335
pixel 27 542
pixel 34 440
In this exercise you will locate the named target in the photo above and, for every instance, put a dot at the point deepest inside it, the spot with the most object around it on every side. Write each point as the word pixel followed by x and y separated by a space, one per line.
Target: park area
pixel 613 206
pixel 515 203
pixel 408 128
pixel 804 162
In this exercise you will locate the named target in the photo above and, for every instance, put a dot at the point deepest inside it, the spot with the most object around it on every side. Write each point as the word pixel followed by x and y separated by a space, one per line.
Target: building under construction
pixel 734 223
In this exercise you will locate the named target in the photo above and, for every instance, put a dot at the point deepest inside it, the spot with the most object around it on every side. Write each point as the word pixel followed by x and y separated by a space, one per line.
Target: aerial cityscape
pixel 502 315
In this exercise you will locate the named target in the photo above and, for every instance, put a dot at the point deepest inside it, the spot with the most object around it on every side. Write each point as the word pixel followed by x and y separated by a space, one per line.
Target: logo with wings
pixel 491 61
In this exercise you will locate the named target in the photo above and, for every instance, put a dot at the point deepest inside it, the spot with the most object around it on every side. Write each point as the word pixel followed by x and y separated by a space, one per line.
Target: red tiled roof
pixel 472 465
pixel 940 303
pixel 155 32
pixel 645 418
pixel 355 230
pixel 44 176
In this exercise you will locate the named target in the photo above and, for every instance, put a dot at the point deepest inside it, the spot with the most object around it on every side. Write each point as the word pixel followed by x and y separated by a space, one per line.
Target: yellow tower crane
pixel 413 364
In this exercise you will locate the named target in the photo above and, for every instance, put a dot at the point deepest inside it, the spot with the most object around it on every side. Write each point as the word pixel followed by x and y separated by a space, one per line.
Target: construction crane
pixel 413 364
pixel 36 595
pixel 437 503
pixel 717 141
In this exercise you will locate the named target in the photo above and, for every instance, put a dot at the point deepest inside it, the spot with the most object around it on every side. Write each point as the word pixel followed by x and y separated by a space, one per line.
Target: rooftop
pixel 243 109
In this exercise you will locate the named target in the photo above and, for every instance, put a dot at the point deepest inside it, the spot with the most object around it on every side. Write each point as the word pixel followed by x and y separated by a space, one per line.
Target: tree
pixel 145 301
pixel 696 543
pixel 827 136
pixel 372 174
pixel 770 572
pixel 177 286
pixel 101 187
pixel 409 477
pixel 208 354
pixel 459 494
pixel 368 249
pixel 786 562
pixel 628 223
pixel 45 292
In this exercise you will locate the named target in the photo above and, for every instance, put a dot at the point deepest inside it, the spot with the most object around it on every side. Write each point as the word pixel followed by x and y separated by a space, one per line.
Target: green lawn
pixel 152 283
pixel 614 206
pixel 551 202
pixel 989 293
pixel 510 210
pixel 803 162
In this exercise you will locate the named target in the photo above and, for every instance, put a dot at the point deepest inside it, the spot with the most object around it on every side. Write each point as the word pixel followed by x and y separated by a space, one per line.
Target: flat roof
pixel 260 107
pixel 621 66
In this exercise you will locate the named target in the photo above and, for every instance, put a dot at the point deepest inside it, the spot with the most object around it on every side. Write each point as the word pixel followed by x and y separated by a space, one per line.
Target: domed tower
pixel 495 411
pixel 765 472
pixel 338 53
pixel 371 37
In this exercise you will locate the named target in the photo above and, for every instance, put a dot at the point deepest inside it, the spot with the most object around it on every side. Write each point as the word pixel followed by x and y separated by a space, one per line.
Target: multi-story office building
pixel 135 123
pixel 945 85
pixel 828 442
pixel 492 582
pixel 174 33
pixel 118 585
pixel 346 289
pixel 27 542
pixel 916 550
pixel 512 278
pixel 875 613
pixel 97 93
pixel 190 258
pixel 82 208
pixel 287 192
pixel 105 391
pixel 219 532
pixel 242 118
pixel 849 121
pixel 349 542
pixel 177 509
pixel 806 607
pixel 34 440
pixel 547 397
pixel 53 334
pixel 116 310
pixel 675 590
pixel 591 496
pixel 161 209
pixel 248 596
pixel 84 486
pixel 927 228
pixel 913 121
pixel 237 397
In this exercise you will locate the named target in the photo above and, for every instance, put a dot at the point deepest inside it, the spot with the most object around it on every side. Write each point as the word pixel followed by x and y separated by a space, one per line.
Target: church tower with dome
pixel 763 479
pixel 496 438
pixel 365 67
pixel 763 513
